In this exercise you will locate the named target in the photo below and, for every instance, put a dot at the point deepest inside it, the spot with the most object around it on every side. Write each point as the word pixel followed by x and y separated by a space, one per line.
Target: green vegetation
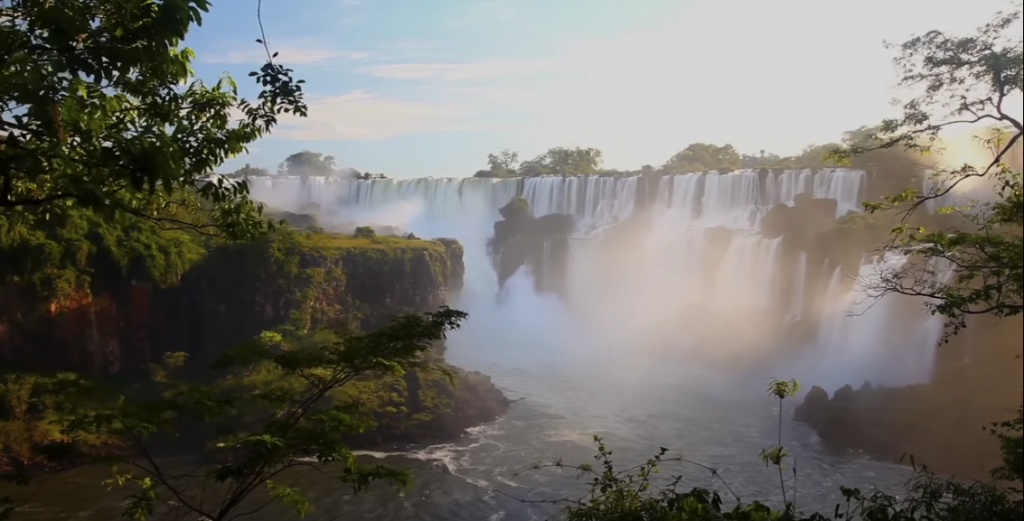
pixel 70 255
pixel 702 157
pixel 249 171
pixel 706 157
pixel 974 75
pixel 105 141
pixel 307 163
pixel 283 405
pixel 93 115
pixel 556 161
pixel 396 386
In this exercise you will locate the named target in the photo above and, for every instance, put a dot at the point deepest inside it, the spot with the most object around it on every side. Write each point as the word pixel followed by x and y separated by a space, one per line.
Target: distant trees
pixel 561 160
pixel 556 161
pixel 502 164
pixel 702 157
pixel 250 171
pixel 308 163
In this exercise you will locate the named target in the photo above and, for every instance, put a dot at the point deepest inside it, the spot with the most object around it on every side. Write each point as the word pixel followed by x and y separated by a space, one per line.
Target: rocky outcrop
pixel 304 281
pixel 541 243
pixel 121 322
pixel 427 407
pixel 290 281
pixel 941 423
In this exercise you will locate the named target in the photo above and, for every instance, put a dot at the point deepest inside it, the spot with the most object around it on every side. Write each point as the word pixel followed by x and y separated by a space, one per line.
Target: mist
pixel 701 289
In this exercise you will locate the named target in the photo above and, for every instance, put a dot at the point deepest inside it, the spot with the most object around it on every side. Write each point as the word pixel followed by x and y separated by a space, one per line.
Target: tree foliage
pixel 977 267
pixel 48 262
pixel 556 161
pixel 564 161
pixel 100 109
pixel 703 157
pixel 250 171
pixel 273 413
pixel 307 163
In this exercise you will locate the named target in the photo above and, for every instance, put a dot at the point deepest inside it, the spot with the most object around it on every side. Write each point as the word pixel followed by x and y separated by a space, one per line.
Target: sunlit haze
pixel 411 90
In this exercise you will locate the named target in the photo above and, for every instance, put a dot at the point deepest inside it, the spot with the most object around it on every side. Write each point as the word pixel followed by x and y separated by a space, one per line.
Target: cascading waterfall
pixel 674 265
pixel 800 287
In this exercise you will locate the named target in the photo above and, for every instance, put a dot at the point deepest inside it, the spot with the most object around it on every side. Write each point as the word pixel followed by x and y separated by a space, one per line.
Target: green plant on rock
pixel 100 109
pixel 270 416
pixel 72 254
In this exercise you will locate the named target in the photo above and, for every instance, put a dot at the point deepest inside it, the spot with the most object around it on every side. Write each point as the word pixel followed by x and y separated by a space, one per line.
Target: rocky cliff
pixel 540 243
pixel 300 281
pixel 977 382
pixel 114 300
pixel 119 320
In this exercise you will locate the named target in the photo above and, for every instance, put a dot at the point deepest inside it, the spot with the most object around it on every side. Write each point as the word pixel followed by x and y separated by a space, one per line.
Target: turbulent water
pixel 609 358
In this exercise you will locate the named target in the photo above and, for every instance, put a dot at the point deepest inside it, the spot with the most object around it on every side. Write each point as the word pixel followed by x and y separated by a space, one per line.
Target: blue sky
pixel 430 87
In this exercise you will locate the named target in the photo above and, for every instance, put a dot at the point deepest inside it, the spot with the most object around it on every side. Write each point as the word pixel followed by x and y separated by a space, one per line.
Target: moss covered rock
pixel 96 296
pixel 300 281
pixel 425 406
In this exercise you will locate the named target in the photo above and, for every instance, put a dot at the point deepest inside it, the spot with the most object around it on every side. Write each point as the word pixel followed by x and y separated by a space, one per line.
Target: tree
pixel 99 108
pixel 503 164
pixel 309 164
pixel 365 232
pixel 277 413
pixel 250 171
pixel 966 80
pixel 563 161
pixel 703 157
pixel 504 161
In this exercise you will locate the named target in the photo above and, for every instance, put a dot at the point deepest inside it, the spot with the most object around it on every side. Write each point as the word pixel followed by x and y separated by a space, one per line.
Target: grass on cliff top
pixel 338 241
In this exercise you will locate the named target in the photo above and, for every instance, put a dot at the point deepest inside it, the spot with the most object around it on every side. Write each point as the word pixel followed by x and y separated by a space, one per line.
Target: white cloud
pixel 286 54
pixel 362 115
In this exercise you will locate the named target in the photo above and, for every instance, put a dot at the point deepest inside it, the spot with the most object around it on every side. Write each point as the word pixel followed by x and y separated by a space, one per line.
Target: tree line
pixel 305 163
pixel 706 157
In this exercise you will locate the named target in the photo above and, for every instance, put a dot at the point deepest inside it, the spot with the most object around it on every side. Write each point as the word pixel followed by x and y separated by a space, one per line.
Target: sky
pixel 415 88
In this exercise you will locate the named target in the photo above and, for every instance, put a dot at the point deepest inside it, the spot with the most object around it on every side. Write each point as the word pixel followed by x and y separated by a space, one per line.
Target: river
pixel 719 420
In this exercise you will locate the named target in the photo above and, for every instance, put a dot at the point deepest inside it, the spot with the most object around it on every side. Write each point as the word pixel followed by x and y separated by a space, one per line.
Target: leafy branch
pixel 289 420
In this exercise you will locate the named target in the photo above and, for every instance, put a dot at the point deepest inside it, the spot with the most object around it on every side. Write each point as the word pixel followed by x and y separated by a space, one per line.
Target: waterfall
pixel 800 287
pixel 699 279
pixel 889 341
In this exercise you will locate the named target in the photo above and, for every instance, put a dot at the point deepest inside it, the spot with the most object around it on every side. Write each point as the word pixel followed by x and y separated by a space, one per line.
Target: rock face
pixel 296 280
pixel 290 281
pixel 303 281
pixel 941 423
pixel 540 243
pixel 427 407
